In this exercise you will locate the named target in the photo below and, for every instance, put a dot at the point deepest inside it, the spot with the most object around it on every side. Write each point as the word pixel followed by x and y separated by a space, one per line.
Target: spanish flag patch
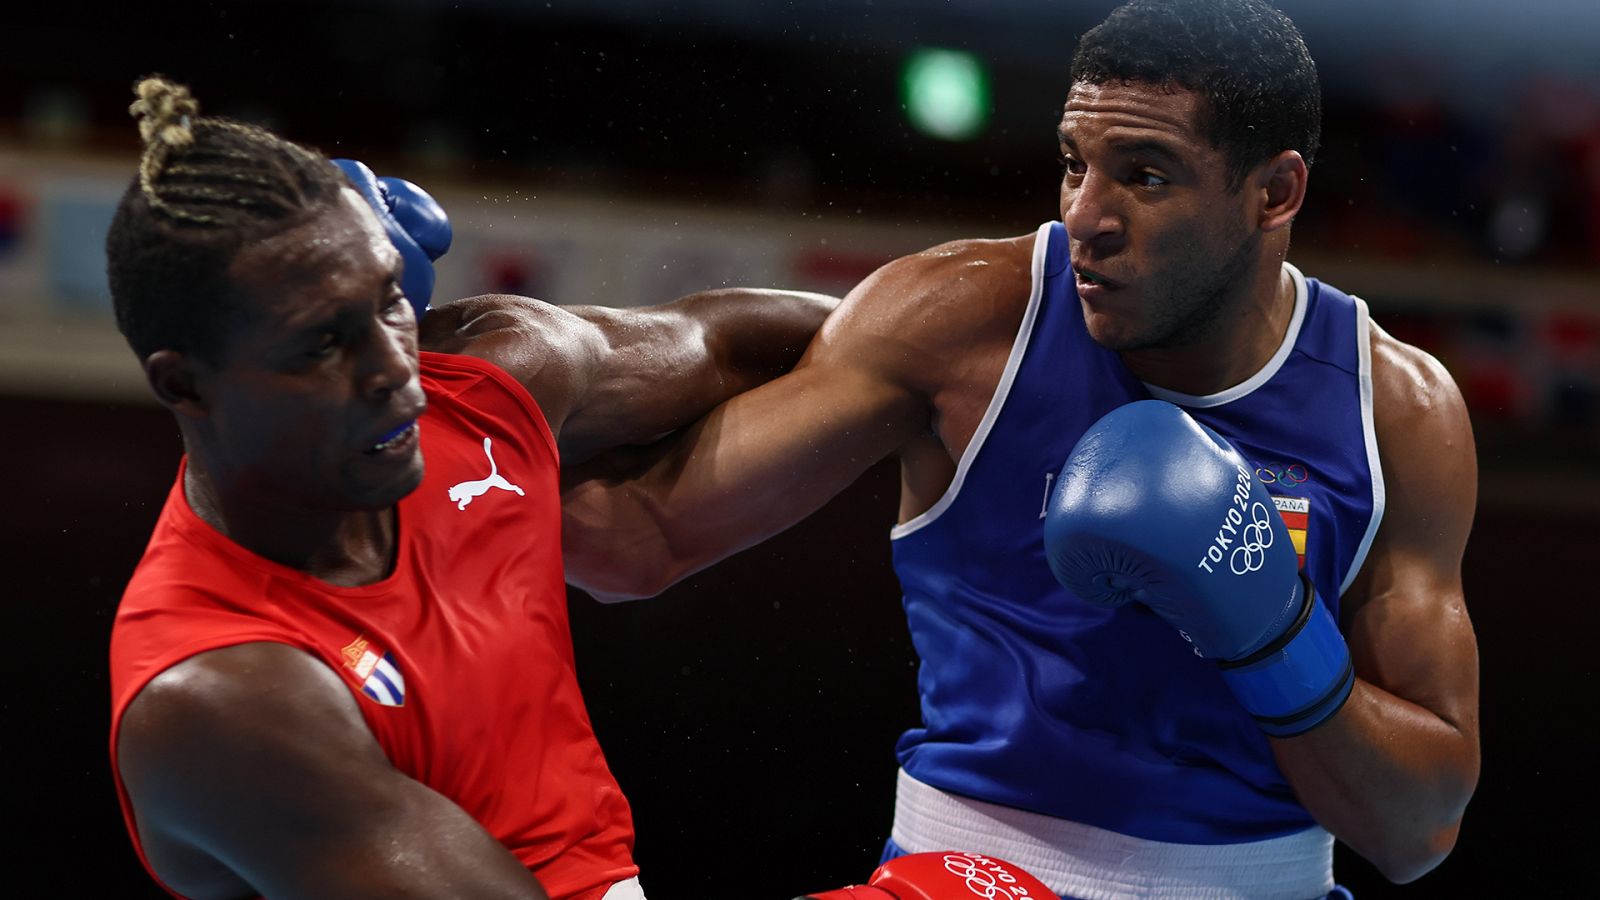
pixel 1296 513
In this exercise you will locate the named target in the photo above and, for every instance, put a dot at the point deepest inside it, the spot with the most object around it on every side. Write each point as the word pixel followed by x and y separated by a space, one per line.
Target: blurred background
pixel 627 151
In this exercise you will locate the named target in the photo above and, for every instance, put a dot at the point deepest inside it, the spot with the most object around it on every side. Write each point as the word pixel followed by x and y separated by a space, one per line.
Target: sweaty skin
pixel 250 768
pixel 1184 278
pixel 605 376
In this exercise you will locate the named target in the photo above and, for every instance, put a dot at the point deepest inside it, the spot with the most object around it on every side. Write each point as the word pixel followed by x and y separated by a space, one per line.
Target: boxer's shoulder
pixel 1408 382
pixel 461 325
pixel 941 309
pixel 969 279
pixel 1428 464
pixel 540 344
pixel 203 737
pixel 1416 403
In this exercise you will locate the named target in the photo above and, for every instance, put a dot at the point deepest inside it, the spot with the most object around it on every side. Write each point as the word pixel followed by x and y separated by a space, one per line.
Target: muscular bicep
pixel 251 767
pixel 609 377
pixel 665 366
pixel 1405 614
pixel 652 371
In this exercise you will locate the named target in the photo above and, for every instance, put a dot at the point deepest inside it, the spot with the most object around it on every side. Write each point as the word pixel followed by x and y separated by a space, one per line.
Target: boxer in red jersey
pixel 343 667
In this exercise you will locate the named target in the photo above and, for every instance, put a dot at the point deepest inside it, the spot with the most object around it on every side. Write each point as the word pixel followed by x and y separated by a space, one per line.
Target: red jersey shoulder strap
pixel 456 376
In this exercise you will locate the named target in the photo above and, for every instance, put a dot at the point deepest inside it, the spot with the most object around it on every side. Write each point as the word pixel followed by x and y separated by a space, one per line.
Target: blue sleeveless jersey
pixel 1035 699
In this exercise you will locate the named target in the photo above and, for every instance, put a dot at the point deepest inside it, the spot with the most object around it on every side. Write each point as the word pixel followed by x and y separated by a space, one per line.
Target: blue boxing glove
pixel 1156 508
pixel 415 222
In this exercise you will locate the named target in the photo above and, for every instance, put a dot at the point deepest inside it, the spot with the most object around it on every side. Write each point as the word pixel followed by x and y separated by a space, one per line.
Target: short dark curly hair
pixel 206 187
pixel 1244 58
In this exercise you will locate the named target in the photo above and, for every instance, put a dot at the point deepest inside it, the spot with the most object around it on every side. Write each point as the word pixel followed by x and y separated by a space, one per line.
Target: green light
pixel 946 93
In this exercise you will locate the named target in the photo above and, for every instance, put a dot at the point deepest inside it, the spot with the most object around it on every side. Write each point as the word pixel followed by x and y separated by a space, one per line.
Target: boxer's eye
pixel 324 344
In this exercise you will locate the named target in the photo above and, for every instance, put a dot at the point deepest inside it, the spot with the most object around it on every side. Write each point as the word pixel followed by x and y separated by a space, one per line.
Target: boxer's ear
pixel 177 379
pixel 1279 186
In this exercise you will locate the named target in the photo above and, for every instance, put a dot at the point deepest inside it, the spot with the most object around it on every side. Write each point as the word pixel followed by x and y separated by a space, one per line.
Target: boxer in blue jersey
pixel 1086 741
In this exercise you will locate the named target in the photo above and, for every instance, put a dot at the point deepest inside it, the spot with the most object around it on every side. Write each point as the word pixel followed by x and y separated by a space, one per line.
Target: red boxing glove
pixel 951 875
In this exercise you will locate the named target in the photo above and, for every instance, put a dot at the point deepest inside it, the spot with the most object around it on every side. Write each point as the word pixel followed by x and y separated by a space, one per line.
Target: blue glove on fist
pixel 415 222
pixel 1154 507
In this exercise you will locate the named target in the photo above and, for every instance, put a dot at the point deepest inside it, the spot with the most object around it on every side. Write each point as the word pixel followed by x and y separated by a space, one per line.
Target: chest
pixel 478 611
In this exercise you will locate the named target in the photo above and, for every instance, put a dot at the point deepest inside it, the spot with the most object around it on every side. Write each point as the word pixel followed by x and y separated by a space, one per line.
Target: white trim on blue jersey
pixel 1264 375
pixel 1374 461
pixel 1019 349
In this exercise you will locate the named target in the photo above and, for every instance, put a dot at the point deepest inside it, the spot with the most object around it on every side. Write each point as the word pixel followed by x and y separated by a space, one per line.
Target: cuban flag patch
pixel 375 668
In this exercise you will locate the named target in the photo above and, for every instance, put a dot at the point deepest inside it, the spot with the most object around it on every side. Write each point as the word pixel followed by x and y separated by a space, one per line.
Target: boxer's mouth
pixel 392 438
pixel 1089 276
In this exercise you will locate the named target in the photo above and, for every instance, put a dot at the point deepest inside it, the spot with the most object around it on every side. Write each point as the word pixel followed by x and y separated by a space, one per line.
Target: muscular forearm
pixel 1388 777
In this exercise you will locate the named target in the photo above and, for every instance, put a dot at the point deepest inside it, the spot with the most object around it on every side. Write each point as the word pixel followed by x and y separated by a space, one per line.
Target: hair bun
pixel 164 110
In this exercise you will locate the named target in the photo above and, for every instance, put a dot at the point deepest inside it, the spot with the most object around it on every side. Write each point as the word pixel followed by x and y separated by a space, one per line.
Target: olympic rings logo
pixel 1294 473
pixel 981 881
pixel 1251 554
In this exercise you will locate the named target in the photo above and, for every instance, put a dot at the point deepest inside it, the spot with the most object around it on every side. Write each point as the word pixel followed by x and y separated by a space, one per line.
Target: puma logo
pixel 466 491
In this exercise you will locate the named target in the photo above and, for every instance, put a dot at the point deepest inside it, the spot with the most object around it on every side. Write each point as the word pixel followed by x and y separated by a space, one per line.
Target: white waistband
pixel 1094 864
pixel 625 890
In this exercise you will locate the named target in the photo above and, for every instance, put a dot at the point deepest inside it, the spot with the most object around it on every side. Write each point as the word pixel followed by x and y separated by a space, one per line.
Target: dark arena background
pixel 627 151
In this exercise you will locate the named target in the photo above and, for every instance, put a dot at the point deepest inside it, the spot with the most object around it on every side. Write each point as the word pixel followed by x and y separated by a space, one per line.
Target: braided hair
pixel 206 187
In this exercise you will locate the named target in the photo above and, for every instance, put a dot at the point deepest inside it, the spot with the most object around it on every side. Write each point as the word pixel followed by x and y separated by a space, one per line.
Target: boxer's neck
pixel 1243 338
pixel 345 548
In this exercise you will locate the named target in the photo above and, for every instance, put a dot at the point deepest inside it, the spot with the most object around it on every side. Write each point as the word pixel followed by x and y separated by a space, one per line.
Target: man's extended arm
pixel 612 377
pixel 1391 773
pixel 251 771
pixel 767 458
pixel 603 377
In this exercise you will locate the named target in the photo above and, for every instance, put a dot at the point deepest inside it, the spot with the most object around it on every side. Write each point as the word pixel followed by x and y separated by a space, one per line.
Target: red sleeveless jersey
pixel 461 660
